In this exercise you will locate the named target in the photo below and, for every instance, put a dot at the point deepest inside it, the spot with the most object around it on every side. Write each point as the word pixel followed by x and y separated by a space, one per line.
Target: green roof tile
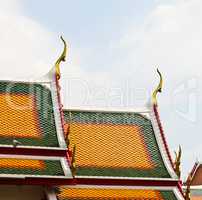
pixel 80 122
pixel 40 115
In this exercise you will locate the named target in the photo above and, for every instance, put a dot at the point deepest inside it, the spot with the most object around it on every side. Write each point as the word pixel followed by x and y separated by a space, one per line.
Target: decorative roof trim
pixel 195 187
pixel 162 188
pixel 160 137
pixel 38 151
pixel 126 182
pixel 194 169
pixel 30 157
pixel 57 114
pixel 125 178
pixel 106 110
pixel 178 194
pixel 177 163
pixel 49 181
pixel 60 109
pixel 60 59
pixel 31 147
pixel 158 89
pixel 65 167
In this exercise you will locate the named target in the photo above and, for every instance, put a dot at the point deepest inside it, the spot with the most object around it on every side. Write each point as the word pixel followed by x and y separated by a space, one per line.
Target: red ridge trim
pixel 37 181
pixel 162 134
pixel 194 169
pixel 126 182
pixel 60 105
pixel 61 115
pixel 87 181
pixel 179 186
pixel 33 152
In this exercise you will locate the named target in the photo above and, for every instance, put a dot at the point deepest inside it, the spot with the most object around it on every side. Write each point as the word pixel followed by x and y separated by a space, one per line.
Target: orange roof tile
pixel 21 163
pixel 18 116
pixel 109 146
pixel 119 194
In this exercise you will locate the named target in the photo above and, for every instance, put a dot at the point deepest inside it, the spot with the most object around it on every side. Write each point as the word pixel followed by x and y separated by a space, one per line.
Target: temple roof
pixel 27 115
pixel 94 154
pixel 117 144
pixel 122 193
pixel 32 166
pixel 32 144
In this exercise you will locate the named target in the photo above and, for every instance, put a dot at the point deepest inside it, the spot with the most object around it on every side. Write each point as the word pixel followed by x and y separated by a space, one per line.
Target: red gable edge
pixel 155 108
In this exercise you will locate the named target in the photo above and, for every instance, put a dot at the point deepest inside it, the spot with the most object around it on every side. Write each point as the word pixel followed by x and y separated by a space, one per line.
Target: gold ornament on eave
pixel 158 89
pixel 60 59
pixel 177 163
pixel 73 162
pixel 187 194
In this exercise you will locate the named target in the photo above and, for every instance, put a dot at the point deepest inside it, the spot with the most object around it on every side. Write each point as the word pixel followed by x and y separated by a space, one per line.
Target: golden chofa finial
pixel 177 163
pixel 61 58
pixel 188 189
pixel 73 161
pixel 158 89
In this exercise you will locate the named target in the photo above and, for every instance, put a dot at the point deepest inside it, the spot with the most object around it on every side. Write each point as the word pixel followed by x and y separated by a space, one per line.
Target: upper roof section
pixel 118 144
pixel 31 112
pixel 27 115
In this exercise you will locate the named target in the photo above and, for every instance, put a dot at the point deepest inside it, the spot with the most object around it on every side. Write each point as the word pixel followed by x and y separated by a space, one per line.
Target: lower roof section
pixel 120 193
pixel 15 166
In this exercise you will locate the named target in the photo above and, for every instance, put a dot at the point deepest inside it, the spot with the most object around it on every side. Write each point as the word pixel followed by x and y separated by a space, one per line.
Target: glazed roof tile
pixel 27 115
pixel 124 193
pixel 32 166
pixel 113 144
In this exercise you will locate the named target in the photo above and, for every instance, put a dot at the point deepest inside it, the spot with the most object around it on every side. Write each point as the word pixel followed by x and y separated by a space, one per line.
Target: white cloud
pixel 26 47
pixel 170 37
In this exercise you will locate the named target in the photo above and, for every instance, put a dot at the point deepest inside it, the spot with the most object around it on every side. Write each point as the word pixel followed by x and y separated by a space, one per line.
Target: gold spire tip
pixel 60 59
pixel 158 89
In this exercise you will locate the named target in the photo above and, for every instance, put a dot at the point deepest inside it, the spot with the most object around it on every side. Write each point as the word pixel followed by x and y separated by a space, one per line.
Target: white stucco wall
pixel 20 192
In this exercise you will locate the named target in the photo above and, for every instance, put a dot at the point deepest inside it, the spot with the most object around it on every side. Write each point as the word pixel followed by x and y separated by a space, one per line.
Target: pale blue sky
pixel 88 23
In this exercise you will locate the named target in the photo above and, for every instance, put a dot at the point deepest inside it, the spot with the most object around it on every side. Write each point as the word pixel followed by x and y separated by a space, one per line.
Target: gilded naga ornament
pixel 158 89
pixel 177 163
pixel 73 161
pixel 188 189
pixel 60 59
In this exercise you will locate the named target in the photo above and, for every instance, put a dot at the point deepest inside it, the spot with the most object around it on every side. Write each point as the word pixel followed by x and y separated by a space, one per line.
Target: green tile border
pixel 52 168
pixel 167 195
pixel 137 119
pixel 44 107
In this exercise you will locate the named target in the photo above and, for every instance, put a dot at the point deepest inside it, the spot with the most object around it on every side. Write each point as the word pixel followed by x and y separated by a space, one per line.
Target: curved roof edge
pixel 153 113
pixel 161 140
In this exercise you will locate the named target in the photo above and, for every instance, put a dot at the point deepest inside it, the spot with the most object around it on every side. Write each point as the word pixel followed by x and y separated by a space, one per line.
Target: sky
pixel 114 48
